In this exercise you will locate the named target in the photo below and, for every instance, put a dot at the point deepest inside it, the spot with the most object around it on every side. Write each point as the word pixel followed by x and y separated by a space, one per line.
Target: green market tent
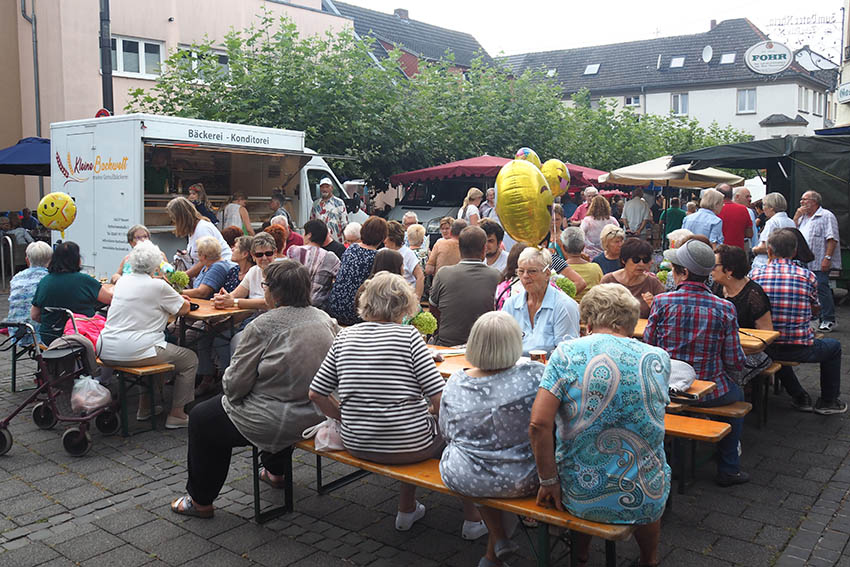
pixel 794 164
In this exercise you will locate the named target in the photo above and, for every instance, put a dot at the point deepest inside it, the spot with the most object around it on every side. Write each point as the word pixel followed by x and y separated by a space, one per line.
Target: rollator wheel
pixel 77 443
pixel 5 441
pixel 44 416
pixel 107 422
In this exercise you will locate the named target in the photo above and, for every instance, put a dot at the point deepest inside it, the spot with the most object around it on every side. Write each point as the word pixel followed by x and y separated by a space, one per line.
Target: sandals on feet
pixel 266 477
pixel 185 507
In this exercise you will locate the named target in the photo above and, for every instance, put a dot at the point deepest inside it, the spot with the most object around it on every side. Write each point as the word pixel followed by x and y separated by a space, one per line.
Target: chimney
pixel 713 25
pixel 401 13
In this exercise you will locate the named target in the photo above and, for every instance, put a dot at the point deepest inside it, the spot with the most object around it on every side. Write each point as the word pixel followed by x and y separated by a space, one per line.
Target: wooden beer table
pixel 207 314
pixel 752 340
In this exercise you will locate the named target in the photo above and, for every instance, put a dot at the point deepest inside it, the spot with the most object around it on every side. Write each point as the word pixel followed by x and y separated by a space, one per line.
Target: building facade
pixel 702 76
pixel 143 34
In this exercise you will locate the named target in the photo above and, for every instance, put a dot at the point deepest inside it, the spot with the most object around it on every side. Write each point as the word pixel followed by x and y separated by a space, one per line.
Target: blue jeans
pixel 825 351
pixel 729 461
pixel 827 303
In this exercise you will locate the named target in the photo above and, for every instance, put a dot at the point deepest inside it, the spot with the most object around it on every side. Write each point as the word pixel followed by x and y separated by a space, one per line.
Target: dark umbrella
pixel 30 156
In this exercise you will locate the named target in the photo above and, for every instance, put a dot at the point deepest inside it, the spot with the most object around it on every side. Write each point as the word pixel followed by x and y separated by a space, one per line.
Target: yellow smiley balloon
pixel 557 175
pixel 57 211
pixel 524 202
pixel 528 155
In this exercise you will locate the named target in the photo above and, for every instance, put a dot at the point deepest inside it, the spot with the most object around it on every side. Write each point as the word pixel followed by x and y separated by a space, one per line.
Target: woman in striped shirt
pixel 385 378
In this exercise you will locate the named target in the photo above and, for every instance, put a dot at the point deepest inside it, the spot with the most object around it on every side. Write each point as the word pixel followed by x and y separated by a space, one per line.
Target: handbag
pixel 327 435
pixel 754 364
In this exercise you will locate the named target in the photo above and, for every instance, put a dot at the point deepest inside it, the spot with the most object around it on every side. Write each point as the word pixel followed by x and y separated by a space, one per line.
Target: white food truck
pixel 123 170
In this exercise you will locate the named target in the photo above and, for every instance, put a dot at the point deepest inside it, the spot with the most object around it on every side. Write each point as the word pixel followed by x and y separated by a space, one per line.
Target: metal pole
pixel 106 57
pixel 33 23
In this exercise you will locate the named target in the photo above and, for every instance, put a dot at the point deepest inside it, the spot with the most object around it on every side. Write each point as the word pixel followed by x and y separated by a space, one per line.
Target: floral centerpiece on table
pixel 178 280
pixel 424 322
pixel 565 284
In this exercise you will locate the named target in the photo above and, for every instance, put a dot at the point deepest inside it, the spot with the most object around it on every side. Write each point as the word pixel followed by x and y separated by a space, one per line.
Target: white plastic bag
pixel 88 395
pixel 327 435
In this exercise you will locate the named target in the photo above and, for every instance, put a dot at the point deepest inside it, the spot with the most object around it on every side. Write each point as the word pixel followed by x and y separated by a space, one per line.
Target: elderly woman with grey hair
pixel 611 238
pixel 545 314
pixel 23 285
pixel 385 378
pixel 600 408
pixel 573 239
pixel 134 332
pixel 706 220
pixel 265 387
pixel 774 205
pixel 484 416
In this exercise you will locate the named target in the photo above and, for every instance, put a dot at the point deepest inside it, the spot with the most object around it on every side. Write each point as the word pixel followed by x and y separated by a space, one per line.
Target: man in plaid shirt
pixel 697 327
pixel 793 293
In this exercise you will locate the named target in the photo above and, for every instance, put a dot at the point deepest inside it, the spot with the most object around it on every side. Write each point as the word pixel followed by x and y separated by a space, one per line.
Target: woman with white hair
pixel 774 205
pixel 574 245
pixel 706 220
pixel 216 273
pixel 678 236
pixel 484 415
pixel 351 233
pixel 600 408
pixel 23 285
pixel 611 238
pixel 385 378
pixel 545 314
pixel 134 332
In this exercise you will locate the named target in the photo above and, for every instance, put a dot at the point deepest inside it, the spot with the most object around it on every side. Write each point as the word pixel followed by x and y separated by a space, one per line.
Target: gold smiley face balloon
pixel 524 202
pixel 57 211
pixel 557 175
pixel 528 155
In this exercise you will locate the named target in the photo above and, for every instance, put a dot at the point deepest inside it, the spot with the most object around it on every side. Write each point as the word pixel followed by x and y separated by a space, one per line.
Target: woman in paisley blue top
pixel 605 396
pixel 355 267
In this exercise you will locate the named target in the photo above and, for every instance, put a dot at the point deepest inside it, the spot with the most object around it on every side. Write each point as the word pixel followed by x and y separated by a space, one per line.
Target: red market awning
pixel 488 166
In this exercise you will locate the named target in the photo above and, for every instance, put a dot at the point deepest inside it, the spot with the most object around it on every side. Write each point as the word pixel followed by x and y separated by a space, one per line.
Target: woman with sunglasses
pixel 635 276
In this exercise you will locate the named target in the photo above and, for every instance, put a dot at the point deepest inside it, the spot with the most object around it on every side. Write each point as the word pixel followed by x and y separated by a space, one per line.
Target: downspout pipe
pixel 32 21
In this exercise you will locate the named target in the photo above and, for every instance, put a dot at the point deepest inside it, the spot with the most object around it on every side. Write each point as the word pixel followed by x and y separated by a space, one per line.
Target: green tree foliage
pixel 330 87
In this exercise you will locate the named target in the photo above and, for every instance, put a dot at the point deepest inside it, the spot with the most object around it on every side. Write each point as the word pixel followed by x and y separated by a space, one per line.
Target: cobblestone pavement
pixel 110 507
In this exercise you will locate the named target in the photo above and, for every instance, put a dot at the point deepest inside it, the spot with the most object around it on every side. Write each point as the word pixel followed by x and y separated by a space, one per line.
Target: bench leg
pixel 288 506
pixel 150 380
pixel 543 545
pixel 122 397
pixel 322 488
pixel 610 553
pixel 758 384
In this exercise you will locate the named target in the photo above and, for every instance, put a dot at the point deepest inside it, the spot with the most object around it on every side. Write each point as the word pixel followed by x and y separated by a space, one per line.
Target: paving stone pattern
pixel 111 507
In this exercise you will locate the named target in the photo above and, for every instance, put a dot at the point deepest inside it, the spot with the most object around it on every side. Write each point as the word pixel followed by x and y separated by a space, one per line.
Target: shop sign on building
pixel 768 57
pixel 843 93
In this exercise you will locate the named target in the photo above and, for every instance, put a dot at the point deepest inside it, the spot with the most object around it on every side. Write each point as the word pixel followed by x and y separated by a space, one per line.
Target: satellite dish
pixel 658 65
pixel 707 54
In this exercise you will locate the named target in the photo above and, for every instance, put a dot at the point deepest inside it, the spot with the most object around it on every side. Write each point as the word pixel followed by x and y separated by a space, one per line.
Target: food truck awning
pixel 30 156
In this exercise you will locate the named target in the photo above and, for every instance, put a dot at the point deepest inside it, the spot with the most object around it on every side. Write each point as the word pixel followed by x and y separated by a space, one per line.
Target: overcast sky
pixel 541 25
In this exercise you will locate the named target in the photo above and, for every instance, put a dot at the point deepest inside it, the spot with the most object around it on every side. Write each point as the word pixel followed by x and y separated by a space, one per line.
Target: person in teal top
pixel 604 395
pixel 67 287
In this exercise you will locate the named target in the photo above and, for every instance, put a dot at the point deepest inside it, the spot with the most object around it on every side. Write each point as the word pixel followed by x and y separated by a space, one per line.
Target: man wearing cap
pixel 695 326
pixel 581 210
pixel 793 293
pixel 330 209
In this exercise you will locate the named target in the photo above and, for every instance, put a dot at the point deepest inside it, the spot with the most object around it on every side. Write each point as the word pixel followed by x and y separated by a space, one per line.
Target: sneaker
pixel 826 326
pixel 803 402
pixel 728 479
pixel 823 407
pixel 172 422
pixel 405 520
pixel 145 414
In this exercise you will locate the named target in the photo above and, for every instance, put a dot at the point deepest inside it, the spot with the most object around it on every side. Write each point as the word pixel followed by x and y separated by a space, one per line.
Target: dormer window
pixel 677 62
pixel 592 69
pixel 727 58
